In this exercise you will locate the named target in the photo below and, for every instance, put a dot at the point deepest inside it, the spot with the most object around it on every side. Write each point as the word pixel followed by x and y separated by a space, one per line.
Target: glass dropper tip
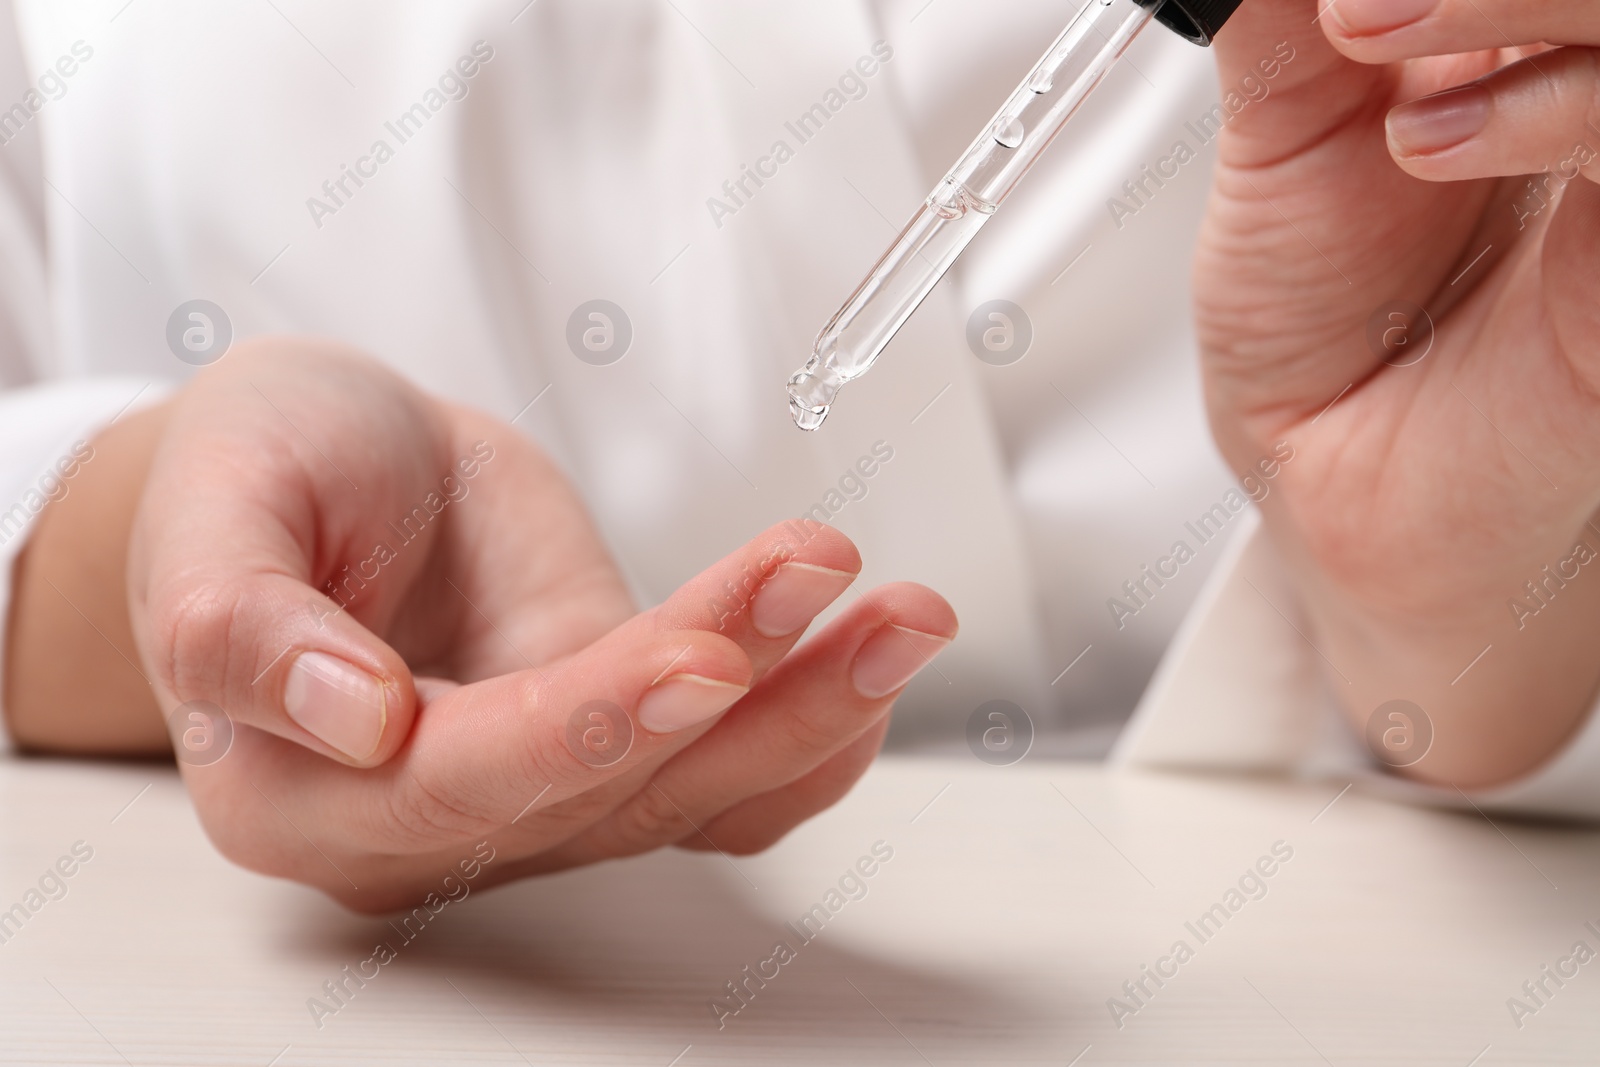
pixel 805 417
pixel 811 394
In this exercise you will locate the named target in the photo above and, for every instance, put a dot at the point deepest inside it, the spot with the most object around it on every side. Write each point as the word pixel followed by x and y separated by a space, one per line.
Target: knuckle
pixel 650 819
pixel 740 837
pixel 421 816
pixel 801 733
pixel 190 629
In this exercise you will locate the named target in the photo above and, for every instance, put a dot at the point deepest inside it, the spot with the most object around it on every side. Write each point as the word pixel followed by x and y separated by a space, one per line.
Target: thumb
pixel 270 652
pixel 242 517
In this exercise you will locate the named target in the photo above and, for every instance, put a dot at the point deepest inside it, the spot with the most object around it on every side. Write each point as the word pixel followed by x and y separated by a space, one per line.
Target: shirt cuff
pixel 45 435
pixel 1241 689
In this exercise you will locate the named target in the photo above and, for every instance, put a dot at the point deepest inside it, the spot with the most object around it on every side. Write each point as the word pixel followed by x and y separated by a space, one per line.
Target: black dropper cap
pixel 1198 20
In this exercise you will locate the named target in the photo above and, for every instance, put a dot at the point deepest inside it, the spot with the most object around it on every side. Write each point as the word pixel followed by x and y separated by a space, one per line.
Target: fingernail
pixel 341 705
pixel 1441 121
pixel 892 657
pixel 1368 17
pixel 684 700
pixel 790 599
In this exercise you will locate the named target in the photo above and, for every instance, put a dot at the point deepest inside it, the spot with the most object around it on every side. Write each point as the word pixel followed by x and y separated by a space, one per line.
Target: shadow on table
pixel 648 944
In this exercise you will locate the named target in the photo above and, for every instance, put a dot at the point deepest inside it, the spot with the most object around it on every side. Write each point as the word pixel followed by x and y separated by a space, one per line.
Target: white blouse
pixel 452 186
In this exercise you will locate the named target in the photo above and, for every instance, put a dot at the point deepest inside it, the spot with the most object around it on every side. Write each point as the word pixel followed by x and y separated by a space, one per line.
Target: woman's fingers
pixel 486 755
pixel 1382 31
pixel 760 822
pixel 1536 116
pixel 750 826
pixel 499 751
pixel 765 595
pixel 810 707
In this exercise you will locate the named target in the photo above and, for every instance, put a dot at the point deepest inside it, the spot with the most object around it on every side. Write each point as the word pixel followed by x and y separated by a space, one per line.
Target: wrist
pixel 1503 694
pixel 73 681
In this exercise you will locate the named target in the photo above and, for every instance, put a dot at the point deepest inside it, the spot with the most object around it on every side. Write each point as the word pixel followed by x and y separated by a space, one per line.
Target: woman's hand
pixel 420 643
pixel 1440 468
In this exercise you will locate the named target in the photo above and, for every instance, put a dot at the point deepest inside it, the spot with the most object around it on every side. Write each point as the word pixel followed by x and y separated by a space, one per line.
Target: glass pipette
pixel 978 184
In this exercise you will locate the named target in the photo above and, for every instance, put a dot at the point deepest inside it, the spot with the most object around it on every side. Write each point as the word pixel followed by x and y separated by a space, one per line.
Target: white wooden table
pixel 1017 902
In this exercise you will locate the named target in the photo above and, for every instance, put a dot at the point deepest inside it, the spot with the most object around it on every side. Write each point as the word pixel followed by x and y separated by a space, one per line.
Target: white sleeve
pixel 1241 689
